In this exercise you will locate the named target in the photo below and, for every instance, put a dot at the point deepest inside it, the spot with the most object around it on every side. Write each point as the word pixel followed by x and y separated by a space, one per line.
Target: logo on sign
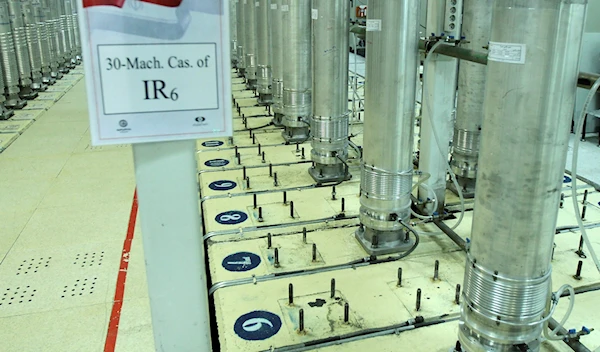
pixel 222 185
pixel 211 144
pixel 200 119
pixel 257 325
pixel 566 179
pixel 231 217
pixel 216 162
pixel 123 123
pixel 241 261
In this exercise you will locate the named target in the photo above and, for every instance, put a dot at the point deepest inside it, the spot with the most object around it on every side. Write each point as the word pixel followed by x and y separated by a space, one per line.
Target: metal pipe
pixel 507 275
pixel 250 42
pixel 277 61
pixel 477 20
pixel 451 234
pixel 241 38
pixel 297 69
pixel 386 173
pixel 263 52
pixel 574 344
pixel 329 123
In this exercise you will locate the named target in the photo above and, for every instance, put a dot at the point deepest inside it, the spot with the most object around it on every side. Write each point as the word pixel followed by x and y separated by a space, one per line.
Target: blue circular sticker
pixel 212 144
pixel 231 217
pixel 222 185
pixel 566 179
pixel 257 325
pixel 216 162
pixel 241 261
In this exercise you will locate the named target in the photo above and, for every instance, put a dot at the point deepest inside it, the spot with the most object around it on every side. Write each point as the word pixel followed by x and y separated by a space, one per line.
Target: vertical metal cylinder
pixel 52 38
pixel 233 30
pixel 42 40
pixel 507 275
pixel 241 37
pixel 297 69
pixel 263 52
pixel 59 35
pixel 17 25
pixel 33 44
pixel 477 20
pixel 10 72
pixel 392 63
pixel 77 37
pixel 329 123
pixel 277 60
pixel 250 42
pixel 67 21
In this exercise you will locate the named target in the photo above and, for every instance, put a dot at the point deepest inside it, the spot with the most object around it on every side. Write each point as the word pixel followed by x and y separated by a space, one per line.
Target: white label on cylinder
pixel 245 2
pixel 315 14
pixel 257 4
pixel 285 8
pixel 273 6
pixel 513 53
pixel 373 25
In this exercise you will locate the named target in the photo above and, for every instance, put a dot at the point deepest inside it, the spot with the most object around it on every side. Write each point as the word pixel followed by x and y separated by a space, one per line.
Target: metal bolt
pixel 239 158
pixel 236 150
pixel 268 110
pixel 297 147
pixel 457 294
pixel 290 294
pixel 585 194
pixel 270 170
pixel 436 270
pixel 375 241
pixel 399 277
pixel 301 320
pixel 292 209
pixel 254 200
pixel 269 241
pixel 250 133
pixel 577 275
pixel 254 138
pixel 259 149
pixel 260 217
pixel 333 193
pixel 314 252
pixel 244 173
pixel 247 182
pixel 303 157
pixel 458 347
pixel 343 206
pixel 562 200
pixel 263 158
pixel 304 235
pixel 284 197
pixel 579 251
pixel 346 312
pixel 275 183
pixel 583 212
pixel 418 299
pixel 276 255
pixel 332 288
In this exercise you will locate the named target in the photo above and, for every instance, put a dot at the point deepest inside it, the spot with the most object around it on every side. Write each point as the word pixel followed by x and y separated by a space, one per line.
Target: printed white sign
pixel 285 8
pixel 373 25
pixel 157 70
pixel 513 53
pixel 273 6
pixel 315 14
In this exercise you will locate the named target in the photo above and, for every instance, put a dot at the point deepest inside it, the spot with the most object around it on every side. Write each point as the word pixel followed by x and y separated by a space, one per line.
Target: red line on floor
pixel 115 316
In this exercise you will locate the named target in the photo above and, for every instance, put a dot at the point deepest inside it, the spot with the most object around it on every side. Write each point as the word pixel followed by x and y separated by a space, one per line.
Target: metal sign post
pixel 156 73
